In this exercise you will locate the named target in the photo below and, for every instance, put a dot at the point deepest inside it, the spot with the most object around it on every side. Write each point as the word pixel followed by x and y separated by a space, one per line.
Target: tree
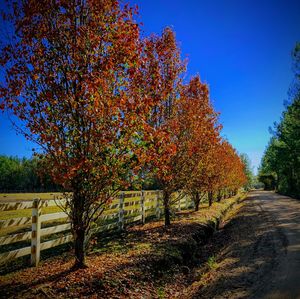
pixel 225 172
pixel 269 169
pixel 281 161
pixel 204 136
pixel 221 175
pixel 24 175
pixel 162 85
pixel 69 73
pixel 248 171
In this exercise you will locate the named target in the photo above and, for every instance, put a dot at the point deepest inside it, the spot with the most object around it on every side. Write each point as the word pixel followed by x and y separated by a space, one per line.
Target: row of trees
pixel 280 166
pixel 23 175
pixel 109 108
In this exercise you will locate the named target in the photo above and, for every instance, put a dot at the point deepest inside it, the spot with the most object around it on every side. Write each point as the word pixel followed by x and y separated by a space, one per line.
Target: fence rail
pixel 127 208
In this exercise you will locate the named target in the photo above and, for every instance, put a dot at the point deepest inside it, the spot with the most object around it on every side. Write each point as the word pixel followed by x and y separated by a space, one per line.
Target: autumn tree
pixel 204 135
pixel 219 171
pixel 182 115
pixel 69 72
pixel 233 175
pixel 162 78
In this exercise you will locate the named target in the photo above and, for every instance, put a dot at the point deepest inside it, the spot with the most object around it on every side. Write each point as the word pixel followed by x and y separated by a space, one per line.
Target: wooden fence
pixel 126 209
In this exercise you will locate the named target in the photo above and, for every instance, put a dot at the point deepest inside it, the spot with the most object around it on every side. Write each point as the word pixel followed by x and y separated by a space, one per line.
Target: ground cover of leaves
pixel 148 261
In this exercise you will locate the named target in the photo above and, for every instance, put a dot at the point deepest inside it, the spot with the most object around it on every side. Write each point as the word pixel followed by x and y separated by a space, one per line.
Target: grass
pixel 211 214
pixel 161 293
pixel 4 215
pixel 17 197
pixel 8 197
pixel 212 263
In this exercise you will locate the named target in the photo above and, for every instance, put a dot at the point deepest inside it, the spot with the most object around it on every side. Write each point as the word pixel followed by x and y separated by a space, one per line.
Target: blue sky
pixel 240 48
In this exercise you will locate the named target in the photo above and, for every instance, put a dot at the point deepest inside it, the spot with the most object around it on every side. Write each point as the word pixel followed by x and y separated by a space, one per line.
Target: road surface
pixel 258 252
pixel 284 213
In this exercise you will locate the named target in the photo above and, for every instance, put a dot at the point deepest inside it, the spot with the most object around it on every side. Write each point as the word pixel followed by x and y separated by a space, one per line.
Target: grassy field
pixel 11 197
pixel 17 197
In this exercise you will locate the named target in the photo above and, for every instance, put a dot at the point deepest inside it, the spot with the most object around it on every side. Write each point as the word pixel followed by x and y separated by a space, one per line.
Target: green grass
pixel 212 263
pixel 4 215
pixel 16 197
pixel 8 197
pixel 161 293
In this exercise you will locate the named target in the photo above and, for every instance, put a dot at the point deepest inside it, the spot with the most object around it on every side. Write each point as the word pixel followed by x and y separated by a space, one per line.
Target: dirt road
pixel 285 213
pixel 258 252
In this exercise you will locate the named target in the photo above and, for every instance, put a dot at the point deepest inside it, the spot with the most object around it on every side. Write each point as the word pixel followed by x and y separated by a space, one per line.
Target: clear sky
pixel 240 48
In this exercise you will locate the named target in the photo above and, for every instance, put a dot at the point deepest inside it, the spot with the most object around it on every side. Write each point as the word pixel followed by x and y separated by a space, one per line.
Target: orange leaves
pixel 214 164
pixel 80 82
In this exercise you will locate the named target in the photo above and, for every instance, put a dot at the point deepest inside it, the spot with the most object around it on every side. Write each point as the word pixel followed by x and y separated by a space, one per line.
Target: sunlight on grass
pixel 212 263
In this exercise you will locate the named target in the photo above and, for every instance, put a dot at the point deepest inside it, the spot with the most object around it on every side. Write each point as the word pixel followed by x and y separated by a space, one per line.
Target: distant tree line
pixel 280 166
pixel 23 175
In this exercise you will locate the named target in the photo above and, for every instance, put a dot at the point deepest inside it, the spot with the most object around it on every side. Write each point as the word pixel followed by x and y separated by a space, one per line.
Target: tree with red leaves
pixel 205 136
pixel 162 85
pixel 225 172
pixel 69 73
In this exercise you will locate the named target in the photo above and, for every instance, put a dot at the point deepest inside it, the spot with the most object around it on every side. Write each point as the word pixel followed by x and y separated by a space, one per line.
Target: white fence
pixel 127 208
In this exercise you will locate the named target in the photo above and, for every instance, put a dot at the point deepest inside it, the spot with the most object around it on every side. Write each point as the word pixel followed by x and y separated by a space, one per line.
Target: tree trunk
pixel 79 245
pixel 167 208
pixel 79 230
pixel 210 198
pixel 219 196
pixel 277 182
pixel 167 216
pixel 197 201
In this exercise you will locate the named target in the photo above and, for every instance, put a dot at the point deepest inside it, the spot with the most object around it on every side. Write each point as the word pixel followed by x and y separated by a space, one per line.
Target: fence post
pixel 121 211
pixel 157 208
pixel 143 206
pixel 36 232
